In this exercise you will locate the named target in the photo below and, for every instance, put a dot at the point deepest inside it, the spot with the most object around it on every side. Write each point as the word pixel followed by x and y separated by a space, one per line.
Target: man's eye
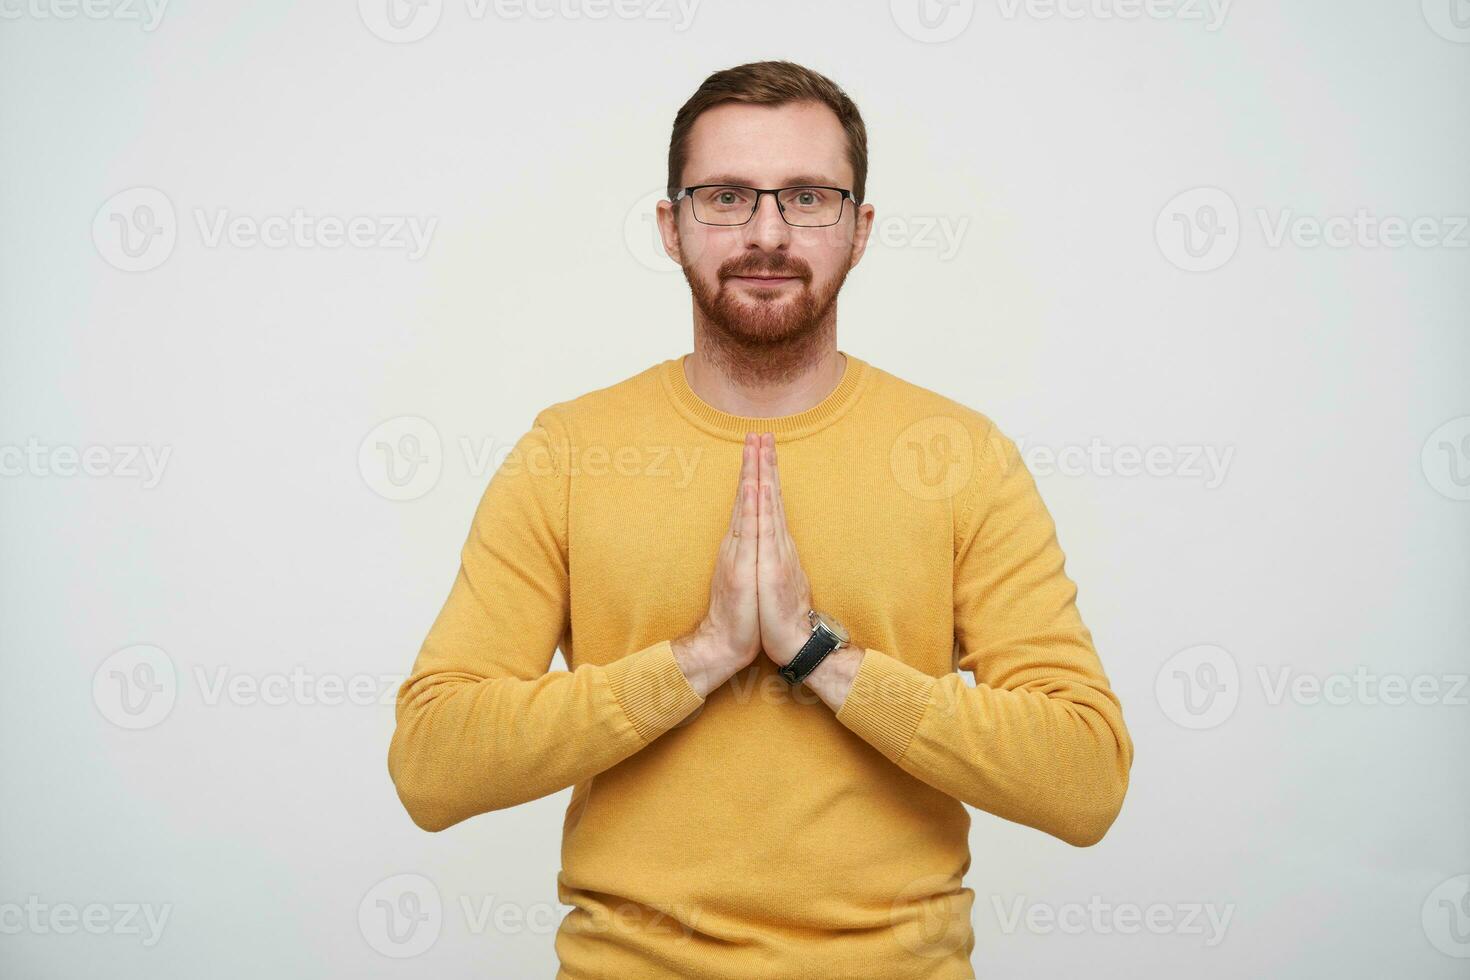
pixel 726 195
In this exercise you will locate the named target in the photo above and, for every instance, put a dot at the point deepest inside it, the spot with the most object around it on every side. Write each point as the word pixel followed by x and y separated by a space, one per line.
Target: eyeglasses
pixel 807 206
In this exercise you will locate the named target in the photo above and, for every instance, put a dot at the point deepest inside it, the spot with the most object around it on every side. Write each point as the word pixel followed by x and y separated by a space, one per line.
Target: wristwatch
pixel 827 635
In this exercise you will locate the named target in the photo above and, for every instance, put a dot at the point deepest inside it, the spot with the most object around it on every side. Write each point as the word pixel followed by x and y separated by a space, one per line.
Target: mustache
pixel 781 269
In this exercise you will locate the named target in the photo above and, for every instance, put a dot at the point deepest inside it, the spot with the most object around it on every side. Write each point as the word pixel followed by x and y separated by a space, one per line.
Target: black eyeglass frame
pixel 688 192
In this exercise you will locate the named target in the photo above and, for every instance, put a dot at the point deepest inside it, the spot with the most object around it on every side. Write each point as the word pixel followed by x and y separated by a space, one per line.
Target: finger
pixel 745 548
pixel 769 461
pixel 746 462
pixel 769 522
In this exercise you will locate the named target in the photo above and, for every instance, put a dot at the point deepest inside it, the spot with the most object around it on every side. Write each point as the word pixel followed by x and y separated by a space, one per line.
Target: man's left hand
pixel 783 594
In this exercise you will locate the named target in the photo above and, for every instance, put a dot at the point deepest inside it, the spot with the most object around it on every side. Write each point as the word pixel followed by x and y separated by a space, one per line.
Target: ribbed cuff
pixel 652 689
pixel 887 700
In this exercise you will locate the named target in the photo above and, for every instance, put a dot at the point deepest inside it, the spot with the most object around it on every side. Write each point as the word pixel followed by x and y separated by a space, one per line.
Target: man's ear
pixel 667 216
pixel 861 230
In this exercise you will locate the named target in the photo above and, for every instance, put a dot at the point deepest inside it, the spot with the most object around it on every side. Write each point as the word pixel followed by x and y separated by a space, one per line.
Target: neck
pixel 767 380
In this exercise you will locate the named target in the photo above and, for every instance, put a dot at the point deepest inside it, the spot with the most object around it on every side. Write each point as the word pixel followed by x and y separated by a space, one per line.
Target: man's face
pixel 765 146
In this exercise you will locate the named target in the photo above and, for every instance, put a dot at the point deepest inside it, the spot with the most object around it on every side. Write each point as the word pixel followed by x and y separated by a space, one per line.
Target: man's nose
pixel 767 228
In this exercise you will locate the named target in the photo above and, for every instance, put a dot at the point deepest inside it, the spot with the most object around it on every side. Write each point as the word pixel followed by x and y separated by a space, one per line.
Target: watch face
pixel 833 625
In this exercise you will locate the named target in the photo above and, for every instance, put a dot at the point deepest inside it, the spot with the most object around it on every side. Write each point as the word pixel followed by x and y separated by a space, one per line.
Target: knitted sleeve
pixel 481 723
pixel 1039 739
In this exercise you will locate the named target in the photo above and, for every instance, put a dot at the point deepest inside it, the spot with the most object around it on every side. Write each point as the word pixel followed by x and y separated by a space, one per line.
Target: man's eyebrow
pixel 792 181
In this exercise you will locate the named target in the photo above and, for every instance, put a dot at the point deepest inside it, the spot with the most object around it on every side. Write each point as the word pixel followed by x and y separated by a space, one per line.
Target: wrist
pixel 832 679
pixel 701 659
pixel 800 632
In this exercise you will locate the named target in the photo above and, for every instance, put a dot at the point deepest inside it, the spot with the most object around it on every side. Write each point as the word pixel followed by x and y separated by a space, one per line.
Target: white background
pixel 1054 143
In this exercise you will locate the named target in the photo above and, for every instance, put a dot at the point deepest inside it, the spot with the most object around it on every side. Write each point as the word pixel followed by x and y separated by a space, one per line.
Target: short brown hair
pixel 770 83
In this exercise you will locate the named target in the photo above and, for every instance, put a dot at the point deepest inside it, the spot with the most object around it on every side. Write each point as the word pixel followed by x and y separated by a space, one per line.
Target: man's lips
pixel 761 279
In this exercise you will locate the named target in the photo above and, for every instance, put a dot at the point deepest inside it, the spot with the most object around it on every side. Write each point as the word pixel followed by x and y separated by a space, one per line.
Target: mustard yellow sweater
pixel 756 832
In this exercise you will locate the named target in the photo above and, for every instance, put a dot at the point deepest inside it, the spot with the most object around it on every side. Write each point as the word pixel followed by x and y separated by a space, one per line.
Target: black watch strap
pixel 812 652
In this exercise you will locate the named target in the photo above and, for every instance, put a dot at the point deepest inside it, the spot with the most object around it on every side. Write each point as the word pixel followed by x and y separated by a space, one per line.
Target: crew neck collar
pixel 786 427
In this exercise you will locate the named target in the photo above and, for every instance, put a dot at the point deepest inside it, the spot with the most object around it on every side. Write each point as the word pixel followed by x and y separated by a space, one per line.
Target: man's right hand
pixel 729 637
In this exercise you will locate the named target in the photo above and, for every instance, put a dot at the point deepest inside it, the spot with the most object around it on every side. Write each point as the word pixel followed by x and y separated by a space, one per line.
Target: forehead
pixel 767 146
